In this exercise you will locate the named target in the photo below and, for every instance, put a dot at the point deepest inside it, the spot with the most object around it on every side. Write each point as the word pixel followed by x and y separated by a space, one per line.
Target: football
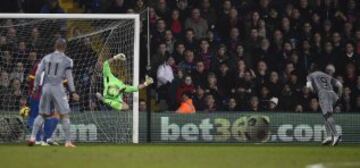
pixel 257 129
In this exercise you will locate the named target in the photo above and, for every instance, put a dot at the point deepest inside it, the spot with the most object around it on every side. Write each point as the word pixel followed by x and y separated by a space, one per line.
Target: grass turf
pixel 179 156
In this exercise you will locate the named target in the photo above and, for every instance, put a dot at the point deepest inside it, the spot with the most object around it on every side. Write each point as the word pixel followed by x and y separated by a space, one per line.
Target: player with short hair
pixel 114 88
pixel 50 123
pixel 53 69
pixel 323 84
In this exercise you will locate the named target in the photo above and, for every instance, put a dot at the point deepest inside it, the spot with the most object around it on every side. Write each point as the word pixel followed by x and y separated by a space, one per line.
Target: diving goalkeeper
pixel 114 88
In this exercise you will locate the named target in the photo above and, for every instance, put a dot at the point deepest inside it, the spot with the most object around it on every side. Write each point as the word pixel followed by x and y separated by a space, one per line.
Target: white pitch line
pixel 319 165
pixel 333 165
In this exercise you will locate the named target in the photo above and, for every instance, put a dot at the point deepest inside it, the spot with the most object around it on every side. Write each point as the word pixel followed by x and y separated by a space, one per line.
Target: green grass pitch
pixel 181 156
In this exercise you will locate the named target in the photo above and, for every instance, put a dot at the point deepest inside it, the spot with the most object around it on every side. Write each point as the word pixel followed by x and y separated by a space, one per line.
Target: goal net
pixel 91 39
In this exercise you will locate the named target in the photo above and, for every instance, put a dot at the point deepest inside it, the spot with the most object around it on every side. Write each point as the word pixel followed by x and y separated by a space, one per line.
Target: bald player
pixel 53 69
pixel 323 84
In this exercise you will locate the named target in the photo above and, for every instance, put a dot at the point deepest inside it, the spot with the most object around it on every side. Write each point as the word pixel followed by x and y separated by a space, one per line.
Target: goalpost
pixel 92 38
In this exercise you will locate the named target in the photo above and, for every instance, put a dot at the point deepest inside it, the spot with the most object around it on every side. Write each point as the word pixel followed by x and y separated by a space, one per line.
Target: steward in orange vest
pixel 186 106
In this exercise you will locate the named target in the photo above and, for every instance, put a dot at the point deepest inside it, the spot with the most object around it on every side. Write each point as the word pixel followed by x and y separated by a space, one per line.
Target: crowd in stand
pixel 238 55
pixel 254 55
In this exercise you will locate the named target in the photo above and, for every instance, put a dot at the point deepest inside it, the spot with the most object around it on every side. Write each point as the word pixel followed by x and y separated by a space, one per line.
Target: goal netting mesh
pixel 23 42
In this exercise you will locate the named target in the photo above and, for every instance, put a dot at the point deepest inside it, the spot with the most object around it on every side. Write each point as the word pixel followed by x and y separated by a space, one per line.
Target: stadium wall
pixel 219 127
pixel 274 127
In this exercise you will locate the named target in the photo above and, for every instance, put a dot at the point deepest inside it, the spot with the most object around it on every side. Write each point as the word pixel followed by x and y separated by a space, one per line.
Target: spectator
pixel 349 57
pixel 11 37
pixel 6 60
pixel 160 56
pixel 205 53
pixel 317 43
pixel 274 84
pixel 357 104
pixel 350 75
pixel 5 81
pixel 208 12
pixel 52 6
pixel 314 105
pixel 165 76
pixel 35 41
pixel 139 6
pixel 200 74
pixel 186 106
pixel 229 21
pixel 21 52
pixel 273 104
pixel 169 41
pixel 165 73
pixel 263 53
pixel 186 86
pixel 197 23
pixel 224 76
pixel 117 6
pixel 179 52
pixel 162 8
pixel 188 65
pixel 254 104
pixel 327 57
pixel 232 105
pixel 234 39
pixel 153 18
pixel 18 73
pixel 210 103
pixel 261 73
pixel 277 41
pixel 287 100
pixel 221 57
pixel 142 105
pixel 199 98
pixel 264 97
pixel 177 82
pixel 299 108
pixel 190 41
pixel 212 87
pixel 347 100
pixel 159 33
pixel 11 96
pixel 3 43
pixel 213 41
pixel 176 24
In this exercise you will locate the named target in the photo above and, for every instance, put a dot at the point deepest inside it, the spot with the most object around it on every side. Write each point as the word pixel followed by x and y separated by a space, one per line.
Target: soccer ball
pixel 257 128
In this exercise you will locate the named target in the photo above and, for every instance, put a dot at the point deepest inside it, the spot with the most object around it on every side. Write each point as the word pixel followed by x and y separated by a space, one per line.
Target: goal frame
pixel 135 17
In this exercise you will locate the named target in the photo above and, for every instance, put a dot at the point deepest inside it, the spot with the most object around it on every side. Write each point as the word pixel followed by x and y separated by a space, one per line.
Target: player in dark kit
pixel 323 84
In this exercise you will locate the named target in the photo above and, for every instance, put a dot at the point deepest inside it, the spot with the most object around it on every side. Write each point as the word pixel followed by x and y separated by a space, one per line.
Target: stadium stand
pixel 233 55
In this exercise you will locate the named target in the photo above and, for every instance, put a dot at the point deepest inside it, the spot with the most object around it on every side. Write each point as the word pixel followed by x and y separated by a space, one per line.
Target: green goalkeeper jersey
pixel 111 82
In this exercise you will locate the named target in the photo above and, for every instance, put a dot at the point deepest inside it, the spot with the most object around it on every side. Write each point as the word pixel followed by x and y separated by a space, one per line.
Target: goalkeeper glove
pixel 148 80
pixel 24 111
pixel 120 56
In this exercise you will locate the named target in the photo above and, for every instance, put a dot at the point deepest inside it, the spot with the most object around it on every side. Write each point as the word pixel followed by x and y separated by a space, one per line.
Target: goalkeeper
pixel 114 88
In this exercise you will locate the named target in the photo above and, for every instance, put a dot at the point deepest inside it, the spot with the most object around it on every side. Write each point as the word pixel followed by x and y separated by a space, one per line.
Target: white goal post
pixel 136 48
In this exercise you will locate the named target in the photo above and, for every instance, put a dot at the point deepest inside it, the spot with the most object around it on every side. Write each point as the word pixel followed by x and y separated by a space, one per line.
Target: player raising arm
pixel 322 84
pixel 53 69
pixel 114 88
